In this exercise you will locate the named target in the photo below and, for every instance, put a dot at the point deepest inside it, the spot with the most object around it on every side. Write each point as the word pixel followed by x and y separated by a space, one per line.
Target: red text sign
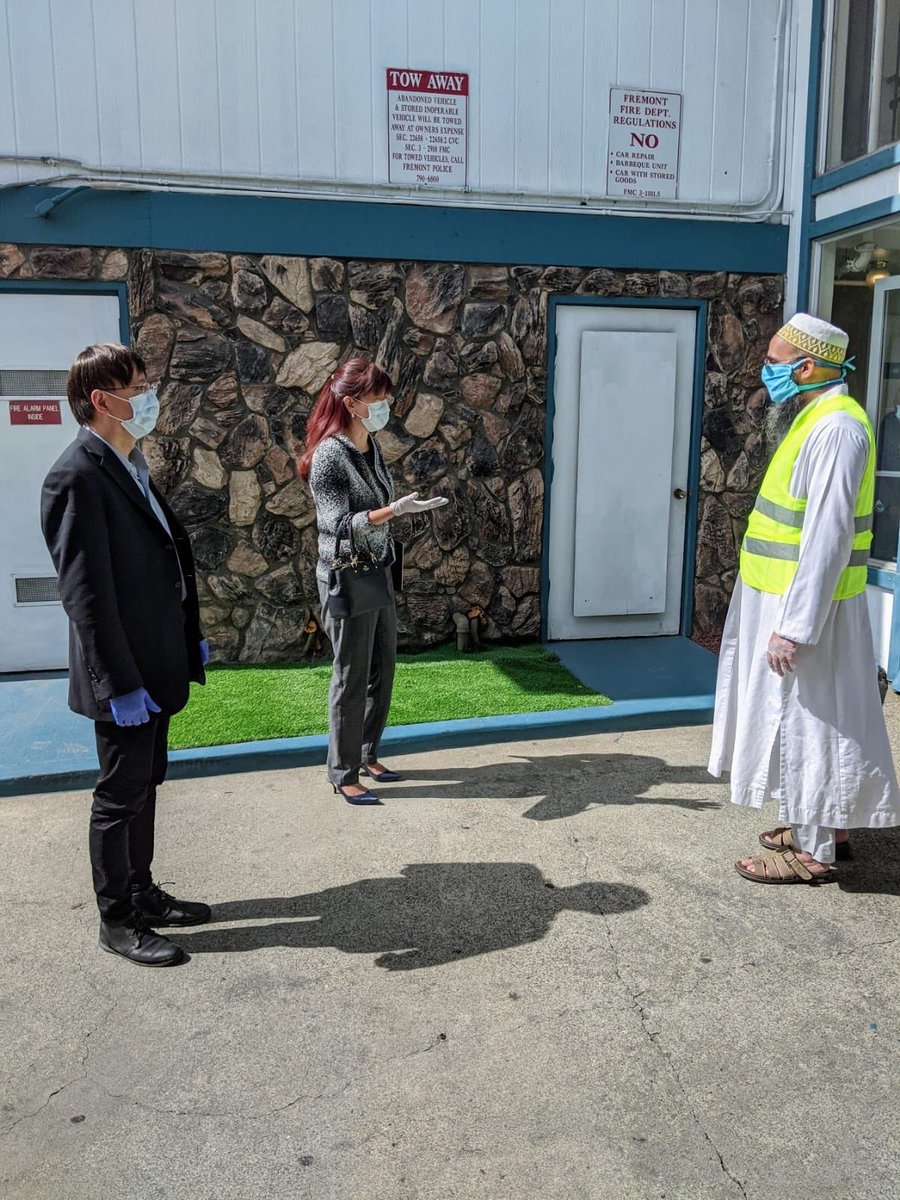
pixel 454 83
pixel 644 139
pixel 34 412
pixel 428 127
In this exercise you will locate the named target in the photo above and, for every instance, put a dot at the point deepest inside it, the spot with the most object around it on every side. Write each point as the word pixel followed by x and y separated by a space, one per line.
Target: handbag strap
pixel 339 537
pixel 347 520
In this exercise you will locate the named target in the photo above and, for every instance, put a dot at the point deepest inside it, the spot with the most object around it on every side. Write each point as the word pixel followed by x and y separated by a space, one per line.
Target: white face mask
pixel 379 415
pixel 144 414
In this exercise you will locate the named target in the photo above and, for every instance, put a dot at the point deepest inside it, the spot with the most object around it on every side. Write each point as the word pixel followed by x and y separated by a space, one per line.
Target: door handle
pixel 680 494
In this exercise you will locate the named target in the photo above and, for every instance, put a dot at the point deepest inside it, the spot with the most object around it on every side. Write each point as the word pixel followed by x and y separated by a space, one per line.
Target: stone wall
pixel 242 343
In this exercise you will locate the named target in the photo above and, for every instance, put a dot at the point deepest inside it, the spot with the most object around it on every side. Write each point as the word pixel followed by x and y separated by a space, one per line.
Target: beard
pixel 779 419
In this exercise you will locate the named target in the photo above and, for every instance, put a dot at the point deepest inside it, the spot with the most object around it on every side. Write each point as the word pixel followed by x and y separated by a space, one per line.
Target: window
pixel 864 92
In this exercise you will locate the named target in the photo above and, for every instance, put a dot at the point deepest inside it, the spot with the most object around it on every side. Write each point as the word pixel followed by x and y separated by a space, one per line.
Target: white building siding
pixel 294 90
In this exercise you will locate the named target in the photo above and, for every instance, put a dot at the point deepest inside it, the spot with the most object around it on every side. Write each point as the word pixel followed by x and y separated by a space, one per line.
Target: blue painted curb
pixel 661 712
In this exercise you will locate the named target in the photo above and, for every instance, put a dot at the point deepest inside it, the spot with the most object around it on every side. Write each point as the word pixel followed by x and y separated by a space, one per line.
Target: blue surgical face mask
pixel 379 415
pixel 778 379
pixel 144 414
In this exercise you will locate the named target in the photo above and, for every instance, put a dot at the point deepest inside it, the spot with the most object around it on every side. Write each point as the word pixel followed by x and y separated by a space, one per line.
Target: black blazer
pixel 119 583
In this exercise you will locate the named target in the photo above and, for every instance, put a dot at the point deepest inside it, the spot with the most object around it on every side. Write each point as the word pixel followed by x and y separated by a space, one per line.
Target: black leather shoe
pixel 381 776
pixel 355 797
pixel 159 908
pixel 137 942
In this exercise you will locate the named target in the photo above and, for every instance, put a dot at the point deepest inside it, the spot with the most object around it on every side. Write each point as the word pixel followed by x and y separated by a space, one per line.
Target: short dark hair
pixel 106 366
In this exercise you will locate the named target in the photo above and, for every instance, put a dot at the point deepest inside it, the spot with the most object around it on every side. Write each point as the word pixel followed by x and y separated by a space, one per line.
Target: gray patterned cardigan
pixel 342 481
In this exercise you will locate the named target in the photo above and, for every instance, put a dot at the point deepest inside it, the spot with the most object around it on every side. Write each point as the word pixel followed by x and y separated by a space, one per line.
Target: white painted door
pixel 40 335
pixel 623 389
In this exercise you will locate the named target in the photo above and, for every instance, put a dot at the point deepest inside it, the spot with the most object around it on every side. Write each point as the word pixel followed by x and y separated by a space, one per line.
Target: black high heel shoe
pixel 362 798
pixel 381 776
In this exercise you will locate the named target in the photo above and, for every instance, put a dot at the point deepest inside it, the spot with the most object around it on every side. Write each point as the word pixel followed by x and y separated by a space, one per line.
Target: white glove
pixel 411 504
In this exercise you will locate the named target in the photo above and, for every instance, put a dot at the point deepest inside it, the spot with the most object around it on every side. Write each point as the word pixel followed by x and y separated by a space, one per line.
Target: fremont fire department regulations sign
pixel 644 136
pixel 428 127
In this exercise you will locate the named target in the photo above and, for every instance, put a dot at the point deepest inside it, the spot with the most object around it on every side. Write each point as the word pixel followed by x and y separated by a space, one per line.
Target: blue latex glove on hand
pixel 204 652
pixel 134 708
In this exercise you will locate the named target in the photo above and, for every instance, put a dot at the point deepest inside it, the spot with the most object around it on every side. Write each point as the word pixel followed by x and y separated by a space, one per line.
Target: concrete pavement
pixel 532 973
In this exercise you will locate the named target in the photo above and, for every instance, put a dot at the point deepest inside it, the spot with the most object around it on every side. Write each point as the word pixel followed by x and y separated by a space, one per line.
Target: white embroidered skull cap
pixel 816 337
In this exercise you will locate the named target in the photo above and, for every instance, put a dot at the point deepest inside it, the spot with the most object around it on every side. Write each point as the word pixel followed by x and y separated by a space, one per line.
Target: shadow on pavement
pixel 875 866
pixel 565 779
pixel 432 914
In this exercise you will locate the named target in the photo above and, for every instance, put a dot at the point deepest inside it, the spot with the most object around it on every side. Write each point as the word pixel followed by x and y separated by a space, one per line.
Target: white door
pixel 623 388
pixel 40 335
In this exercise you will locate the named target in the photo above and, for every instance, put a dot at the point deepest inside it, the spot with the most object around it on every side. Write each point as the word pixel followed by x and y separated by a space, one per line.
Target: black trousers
pixel 133 761
pixel 362 678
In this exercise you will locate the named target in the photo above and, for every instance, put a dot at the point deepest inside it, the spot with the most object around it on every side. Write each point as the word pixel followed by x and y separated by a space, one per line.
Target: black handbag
pixel 359 584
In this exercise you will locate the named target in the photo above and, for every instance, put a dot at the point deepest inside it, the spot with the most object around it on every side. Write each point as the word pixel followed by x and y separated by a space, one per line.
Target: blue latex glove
pixel 134 708
pixel 204 652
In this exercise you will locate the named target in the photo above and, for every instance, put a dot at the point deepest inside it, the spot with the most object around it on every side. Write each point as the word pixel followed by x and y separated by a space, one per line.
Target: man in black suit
pixel 126 581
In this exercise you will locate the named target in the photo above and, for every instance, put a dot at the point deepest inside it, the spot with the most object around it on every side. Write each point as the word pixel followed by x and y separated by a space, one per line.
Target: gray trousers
pixel 365 651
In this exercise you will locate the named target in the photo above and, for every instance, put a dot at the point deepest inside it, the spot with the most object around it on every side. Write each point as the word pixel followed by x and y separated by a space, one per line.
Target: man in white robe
pixel 798 712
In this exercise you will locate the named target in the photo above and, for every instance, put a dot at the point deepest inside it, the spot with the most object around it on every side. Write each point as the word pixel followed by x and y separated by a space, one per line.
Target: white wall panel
pixel 699 118
pixel 294 89
pixel 320 73
pixel 34 104
pixel 494 127
pixel 729 96
pixel 238 85
pixel 667 45
pixel 8 132
pixel 73 79
pixel 532 42
pixel 116 81
pixel 424 32
pixel 388 40
pixel 566 95
pixel 353 91
pixel 198 83
pixel 278 67
pixel 156 35
pixel 601 32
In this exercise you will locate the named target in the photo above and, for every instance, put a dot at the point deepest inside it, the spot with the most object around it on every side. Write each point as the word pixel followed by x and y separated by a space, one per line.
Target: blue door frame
pixel 701 308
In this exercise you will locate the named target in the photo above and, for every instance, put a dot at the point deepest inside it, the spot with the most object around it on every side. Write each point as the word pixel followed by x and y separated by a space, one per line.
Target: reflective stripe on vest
pixel 771 546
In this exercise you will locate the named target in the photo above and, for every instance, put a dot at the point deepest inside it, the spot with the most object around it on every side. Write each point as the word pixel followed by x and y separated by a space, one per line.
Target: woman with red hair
pixel 352 491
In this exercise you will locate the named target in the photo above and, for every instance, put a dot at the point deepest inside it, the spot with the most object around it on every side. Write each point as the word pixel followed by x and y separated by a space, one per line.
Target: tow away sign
pixel 428 127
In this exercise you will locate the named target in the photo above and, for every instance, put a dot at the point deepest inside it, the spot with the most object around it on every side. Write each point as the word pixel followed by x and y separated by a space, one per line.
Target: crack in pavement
pixel 653 1036
pixel 76 1079
pixel 437 1041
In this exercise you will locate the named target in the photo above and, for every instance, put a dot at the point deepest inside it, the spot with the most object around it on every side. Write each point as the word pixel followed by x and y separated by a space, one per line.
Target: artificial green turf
pixel 248 704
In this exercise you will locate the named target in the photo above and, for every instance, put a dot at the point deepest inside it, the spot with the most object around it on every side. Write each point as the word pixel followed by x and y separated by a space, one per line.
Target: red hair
pixel 353 379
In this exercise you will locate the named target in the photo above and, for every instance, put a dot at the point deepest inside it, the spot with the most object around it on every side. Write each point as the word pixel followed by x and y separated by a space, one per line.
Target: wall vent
pixel 50 384
pixel 37 589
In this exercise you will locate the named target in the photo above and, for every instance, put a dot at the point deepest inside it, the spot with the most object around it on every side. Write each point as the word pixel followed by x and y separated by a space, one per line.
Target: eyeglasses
pixel 137 388
pixel 776 362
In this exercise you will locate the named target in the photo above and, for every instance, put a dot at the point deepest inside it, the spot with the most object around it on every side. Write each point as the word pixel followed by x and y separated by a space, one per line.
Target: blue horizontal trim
pixel 879 577
pixel 656 713
pixel 353 229
pixel 860 168
pixel 867 214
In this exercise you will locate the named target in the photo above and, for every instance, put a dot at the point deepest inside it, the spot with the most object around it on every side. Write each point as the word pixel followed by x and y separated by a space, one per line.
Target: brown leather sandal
pixel 783 866
pixel 782 839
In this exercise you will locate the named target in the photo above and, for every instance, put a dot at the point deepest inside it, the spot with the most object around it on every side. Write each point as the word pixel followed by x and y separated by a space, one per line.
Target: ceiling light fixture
pixel 879 268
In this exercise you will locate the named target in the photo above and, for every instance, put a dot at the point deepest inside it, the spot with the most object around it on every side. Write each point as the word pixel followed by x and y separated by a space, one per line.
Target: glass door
pixel 883 407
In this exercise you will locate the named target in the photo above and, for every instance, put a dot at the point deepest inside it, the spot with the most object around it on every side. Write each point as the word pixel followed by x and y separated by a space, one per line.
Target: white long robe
pixel 814 740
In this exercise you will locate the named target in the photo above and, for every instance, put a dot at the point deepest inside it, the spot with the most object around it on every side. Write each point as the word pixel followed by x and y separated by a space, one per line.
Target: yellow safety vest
pixel 771 546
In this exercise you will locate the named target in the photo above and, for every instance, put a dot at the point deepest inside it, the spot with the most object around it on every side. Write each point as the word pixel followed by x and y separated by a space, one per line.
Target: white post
pixel 875 78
